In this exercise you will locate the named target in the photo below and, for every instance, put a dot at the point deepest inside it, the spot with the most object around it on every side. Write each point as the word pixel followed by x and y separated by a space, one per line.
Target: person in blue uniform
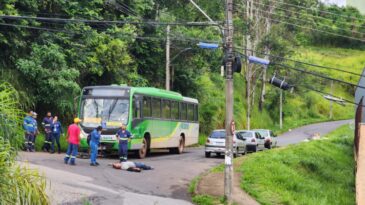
pixel 47 124
pixel 56 134
pixel 36 131
pixel 123 136
pixel 94 144
pixel 28 125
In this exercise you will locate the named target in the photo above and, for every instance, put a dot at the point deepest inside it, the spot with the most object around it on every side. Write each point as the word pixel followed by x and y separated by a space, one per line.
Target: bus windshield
pixel 97 111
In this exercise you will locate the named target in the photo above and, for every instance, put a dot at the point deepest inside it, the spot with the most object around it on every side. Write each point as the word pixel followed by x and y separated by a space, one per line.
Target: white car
pixel 254 141
pixel 270 138
pixel 216 143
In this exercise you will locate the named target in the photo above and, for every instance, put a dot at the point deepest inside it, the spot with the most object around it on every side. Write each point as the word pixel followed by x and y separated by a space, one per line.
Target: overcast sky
pixel 336 2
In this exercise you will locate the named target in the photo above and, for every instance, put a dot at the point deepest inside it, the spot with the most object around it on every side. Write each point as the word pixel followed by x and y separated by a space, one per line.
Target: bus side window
pixel 137 108
pixel 190 112
pixel 174 110
pixel 156 107
pixel 196 113
pixel 146 106
pixel 183 111
pixel 166 109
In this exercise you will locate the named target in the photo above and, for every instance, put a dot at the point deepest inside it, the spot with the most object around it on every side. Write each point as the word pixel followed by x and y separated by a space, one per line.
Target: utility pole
pixel 267 57
pixel 331 103
pixel 281 108
pixel 228 170
pixel 248 65
pixel 167 58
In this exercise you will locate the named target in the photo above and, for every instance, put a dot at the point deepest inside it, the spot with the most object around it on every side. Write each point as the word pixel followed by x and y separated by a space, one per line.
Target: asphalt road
pixel 299 134
pixel 166 184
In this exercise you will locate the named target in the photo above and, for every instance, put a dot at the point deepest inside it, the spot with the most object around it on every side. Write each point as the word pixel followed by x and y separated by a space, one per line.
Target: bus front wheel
pixel 142 153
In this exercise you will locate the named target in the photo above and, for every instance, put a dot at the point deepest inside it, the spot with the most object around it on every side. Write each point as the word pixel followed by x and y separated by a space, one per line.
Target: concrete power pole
pixel 331 103
pixel 281 109
pixel 248 65
pixel 228 170
pixel 267 57
pixel 167 58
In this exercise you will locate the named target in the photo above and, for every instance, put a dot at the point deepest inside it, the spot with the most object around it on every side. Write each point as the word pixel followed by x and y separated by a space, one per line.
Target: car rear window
pixel 263 133
pixel 218 135
pixel 246 134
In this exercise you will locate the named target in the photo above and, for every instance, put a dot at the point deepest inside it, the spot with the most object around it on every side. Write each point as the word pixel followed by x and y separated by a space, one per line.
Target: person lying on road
pixel 131 166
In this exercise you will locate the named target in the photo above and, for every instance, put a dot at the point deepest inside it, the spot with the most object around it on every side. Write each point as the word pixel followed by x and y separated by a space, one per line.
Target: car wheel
pixel 218 154
pixel 269 146
pixel 207 154
pixel 235 154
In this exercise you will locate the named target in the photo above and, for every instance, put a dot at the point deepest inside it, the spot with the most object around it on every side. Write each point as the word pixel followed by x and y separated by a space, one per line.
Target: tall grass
pixel 18 185
pixel 317 172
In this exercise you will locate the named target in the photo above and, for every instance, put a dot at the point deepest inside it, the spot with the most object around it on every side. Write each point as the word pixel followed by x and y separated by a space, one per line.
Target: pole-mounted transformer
pixel 280 83
pixel 236 65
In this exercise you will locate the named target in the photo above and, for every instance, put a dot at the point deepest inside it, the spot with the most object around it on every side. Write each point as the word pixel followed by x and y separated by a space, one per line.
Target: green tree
pixel 54 83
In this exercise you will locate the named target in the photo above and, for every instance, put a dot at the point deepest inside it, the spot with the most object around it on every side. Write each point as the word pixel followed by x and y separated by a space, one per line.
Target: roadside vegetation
pixel 53 66
pixel 18 184
pixel 315 172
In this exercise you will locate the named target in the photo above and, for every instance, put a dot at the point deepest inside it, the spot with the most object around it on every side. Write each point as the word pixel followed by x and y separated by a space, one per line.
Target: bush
pixel 18 185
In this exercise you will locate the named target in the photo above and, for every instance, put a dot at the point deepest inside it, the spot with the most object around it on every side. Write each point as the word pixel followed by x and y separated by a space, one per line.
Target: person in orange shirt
pixel 73 139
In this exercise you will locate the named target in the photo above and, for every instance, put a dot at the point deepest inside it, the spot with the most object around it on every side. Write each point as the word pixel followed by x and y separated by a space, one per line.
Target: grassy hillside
pixel 317 172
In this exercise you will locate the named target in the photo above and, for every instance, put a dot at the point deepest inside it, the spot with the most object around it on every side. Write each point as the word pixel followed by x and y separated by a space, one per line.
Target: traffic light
pixel 280 83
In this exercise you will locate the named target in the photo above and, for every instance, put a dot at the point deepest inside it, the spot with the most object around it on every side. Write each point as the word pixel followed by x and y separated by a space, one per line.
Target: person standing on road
pixel 28 125
pixel 73 138
pixel 56 134
pixel 94 144
pixel 36 131
pixel 123 136
pixel 47 124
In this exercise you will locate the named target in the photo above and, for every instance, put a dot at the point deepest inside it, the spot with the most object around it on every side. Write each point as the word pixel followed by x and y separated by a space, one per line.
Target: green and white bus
pixel 156 118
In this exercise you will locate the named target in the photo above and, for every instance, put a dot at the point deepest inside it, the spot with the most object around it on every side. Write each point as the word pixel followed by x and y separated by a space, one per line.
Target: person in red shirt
pixel 73 139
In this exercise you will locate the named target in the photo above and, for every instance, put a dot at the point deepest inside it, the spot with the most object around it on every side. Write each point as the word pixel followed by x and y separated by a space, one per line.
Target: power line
pixel 304 63
pixel 303 20
pixel 177 38
pixel 110 21
pixel 322 11
pixel 310 15
pixel 36 28
pixel 317 75
pixel 325 93
pixel 313 29
pixel 311 73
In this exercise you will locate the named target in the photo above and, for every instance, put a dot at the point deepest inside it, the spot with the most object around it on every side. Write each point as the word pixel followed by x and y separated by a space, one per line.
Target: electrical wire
pixel 304 63
pixel 325 93
pixel 309 15
pixel 311 73
pixel 306 21
pixel 317 75
pixel 313 29
pixel 174 38
pixel 318 10
pixel 109 21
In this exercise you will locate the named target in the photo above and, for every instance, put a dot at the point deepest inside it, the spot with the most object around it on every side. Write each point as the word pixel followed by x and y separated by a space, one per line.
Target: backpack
pixel 88 138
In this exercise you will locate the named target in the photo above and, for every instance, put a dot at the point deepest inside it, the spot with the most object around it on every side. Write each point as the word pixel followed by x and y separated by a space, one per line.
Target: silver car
pixel 216 143
pixel 254 141
pixel 270 138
